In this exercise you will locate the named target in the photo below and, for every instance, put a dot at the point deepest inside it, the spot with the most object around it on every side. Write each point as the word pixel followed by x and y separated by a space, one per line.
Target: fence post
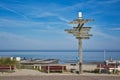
pixel 100 69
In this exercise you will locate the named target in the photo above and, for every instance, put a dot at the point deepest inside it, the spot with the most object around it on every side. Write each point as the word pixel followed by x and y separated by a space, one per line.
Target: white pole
pixel 104 55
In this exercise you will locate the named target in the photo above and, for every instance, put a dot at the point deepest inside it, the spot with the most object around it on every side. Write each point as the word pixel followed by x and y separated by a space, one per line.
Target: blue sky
pixel 40 24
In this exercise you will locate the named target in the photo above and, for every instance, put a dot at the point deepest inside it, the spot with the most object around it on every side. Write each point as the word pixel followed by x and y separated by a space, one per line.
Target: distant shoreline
pixel 58 50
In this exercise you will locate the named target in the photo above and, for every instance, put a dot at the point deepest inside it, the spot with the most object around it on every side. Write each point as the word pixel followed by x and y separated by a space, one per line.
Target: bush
pixel 96 71
pixel 9 62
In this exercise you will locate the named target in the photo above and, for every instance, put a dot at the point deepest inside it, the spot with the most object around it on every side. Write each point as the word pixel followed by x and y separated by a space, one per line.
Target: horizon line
pixel 58 50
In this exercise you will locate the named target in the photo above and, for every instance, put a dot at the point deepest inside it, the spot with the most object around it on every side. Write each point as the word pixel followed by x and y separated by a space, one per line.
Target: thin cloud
pixel 13 11
pixel 22 23
pixel 36 12
pixel 69 8
pixel 41 14
pixel 116 29
pixel 63 19
pixel 109 1
pixel 102 34
pixel 13 41
pixel 49 14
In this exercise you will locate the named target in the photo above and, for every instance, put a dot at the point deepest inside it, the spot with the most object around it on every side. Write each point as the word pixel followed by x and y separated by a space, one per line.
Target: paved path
pixel 60 77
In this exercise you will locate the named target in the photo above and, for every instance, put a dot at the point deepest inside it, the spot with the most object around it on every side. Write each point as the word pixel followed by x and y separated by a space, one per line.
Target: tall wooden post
pixel 80 55
pixel 80 33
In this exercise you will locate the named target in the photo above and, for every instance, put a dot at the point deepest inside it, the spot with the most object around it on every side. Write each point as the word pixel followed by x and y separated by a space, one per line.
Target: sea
pixel 64 56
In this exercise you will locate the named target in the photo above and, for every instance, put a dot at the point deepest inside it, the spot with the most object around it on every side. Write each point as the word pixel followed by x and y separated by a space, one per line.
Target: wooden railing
pixel 54 68
pixel 6 68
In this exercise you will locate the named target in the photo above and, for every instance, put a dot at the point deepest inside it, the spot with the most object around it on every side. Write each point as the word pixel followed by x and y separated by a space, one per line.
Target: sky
pixel 40 24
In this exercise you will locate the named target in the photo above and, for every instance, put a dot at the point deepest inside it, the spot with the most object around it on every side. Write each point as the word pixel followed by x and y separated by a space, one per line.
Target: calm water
pixel 63 56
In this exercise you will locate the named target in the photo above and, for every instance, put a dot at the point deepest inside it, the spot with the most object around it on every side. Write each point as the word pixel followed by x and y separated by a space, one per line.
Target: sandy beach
pixel 28 74
pixel 60 77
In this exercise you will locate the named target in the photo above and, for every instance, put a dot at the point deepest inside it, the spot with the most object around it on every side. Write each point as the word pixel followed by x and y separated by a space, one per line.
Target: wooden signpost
pixel 80 33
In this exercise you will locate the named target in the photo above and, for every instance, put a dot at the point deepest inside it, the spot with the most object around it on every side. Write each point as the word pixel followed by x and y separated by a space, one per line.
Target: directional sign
pixel 83 33
pixel 83 29
pixel 76 21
